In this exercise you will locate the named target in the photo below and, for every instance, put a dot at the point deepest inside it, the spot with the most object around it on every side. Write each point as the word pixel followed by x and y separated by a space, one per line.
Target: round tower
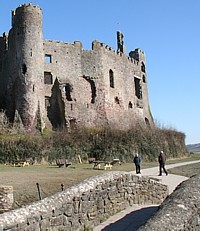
pixel 27 70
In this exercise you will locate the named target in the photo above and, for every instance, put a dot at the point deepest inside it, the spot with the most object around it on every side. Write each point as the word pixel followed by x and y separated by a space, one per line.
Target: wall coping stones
pixel 86 204
pixel 180 210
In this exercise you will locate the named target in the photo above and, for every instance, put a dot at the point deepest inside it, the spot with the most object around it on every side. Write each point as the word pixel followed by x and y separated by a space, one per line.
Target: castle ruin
pixel 61 85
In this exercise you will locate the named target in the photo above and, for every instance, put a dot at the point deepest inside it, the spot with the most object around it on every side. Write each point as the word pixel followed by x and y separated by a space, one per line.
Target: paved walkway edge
pixel 124 221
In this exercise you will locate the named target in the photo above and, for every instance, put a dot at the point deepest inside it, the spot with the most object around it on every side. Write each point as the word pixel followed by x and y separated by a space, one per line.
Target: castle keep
pixel 57 84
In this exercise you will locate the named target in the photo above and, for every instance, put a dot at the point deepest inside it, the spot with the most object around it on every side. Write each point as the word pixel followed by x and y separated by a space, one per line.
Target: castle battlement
pixel 132 59
pixel 22 10
pixel 64 86
pixel 76 43
pixel 28 5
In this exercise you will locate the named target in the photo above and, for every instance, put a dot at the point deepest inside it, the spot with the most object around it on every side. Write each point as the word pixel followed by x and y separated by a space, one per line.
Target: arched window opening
pixel 138 88
pixel 143 67
pixel 130 105
pixel 111 76
pixel 93 88
pixel 147 122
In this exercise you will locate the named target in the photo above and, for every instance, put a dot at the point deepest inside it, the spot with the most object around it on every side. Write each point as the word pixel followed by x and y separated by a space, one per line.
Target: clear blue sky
pixel 168 31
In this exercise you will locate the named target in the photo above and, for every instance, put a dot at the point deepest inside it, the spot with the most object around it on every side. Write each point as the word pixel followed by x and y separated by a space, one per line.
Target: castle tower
pixel 25 87
pixel 120 43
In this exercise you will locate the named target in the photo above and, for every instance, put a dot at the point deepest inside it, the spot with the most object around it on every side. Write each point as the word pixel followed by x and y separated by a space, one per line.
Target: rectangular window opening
pixel 48 58
pixel 48 78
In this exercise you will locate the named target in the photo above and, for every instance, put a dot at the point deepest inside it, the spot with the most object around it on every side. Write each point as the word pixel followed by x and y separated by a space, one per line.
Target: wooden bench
pixel 116 161
pixel 91 160
pixel 61 162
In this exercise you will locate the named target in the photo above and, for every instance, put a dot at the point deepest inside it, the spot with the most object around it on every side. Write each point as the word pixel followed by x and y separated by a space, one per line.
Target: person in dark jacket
pixel 162 160
pixel 137 160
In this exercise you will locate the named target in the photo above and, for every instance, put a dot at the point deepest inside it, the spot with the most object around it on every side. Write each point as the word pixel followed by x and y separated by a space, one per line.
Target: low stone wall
pixel 87 204
pixel 6 198
pixel 180 211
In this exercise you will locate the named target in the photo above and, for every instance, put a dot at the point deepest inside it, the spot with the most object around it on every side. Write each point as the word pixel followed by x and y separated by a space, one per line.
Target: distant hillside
pixel 193 147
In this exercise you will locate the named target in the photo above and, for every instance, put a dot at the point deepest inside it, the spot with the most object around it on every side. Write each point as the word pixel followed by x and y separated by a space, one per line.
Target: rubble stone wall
pixel 180 211
pixel 6 198
pixel 86 204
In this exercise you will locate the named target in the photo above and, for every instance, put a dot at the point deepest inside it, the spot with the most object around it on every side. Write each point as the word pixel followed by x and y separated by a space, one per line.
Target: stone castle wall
pixel 63 85
pixel 87 204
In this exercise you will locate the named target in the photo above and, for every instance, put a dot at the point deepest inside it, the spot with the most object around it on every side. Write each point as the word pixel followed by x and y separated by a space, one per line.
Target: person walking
pixel 162 160
pixel 137 161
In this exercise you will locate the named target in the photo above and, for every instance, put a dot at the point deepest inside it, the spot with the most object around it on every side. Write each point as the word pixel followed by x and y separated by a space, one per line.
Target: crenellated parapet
pixel 24 8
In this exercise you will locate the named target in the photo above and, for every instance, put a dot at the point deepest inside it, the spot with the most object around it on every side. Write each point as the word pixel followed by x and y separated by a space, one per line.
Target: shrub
pixel 103 144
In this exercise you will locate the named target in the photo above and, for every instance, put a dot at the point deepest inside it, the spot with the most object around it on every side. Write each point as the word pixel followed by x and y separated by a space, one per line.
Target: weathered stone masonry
pixel 87 204
pixel 63 85
pixel 180 211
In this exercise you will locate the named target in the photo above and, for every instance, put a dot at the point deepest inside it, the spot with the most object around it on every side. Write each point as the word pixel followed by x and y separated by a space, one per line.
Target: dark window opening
pixel 143 67
pixel 144 79
pixel 138 88
pixel 111 76
pixel 93 88
pixel 47 102
pixel 130 105
pixel 48 58
pixel 67 89
pixel 147 122
pixel 24 69
pixel 71 107
pixel 48 78
pixel 33 87
pixel 117 100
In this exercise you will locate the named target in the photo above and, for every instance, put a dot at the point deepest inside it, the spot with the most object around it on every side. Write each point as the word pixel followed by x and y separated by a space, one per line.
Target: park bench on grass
pixel 62 162
pixel 91 160
pixel 116 161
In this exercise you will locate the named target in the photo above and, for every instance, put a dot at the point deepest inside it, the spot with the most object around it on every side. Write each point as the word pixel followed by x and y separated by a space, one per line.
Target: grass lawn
pixel 50 177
